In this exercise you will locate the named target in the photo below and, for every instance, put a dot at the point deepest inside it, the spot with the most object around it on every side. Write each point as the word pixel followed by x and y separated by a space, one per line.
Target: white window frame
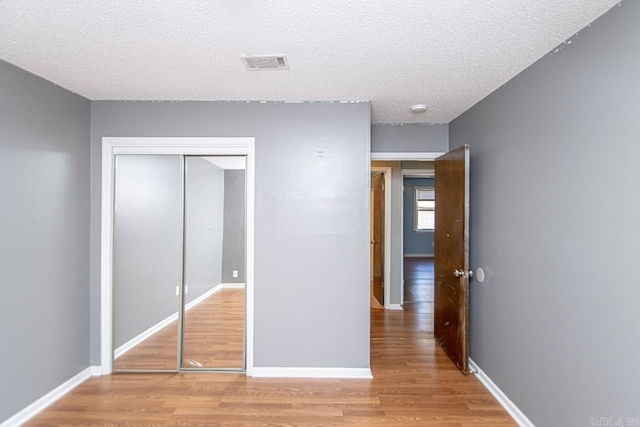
pixel 416 209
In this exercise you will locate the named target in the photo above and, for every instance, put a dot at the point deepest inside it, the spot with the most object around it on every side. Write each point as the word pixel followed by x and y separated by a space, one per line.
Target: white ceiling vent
pixel 265 62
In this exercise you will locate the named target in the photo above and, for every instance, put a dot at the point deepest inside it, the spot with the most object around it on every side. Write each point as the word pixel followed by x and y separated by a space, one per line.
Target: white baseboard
pixel 395 307
pixel 418 255
pixel 311 372
pixel 163 323
pixel 232 285
pixel 202 297
pixel 144 335
pixel 502 398
pixel 39 405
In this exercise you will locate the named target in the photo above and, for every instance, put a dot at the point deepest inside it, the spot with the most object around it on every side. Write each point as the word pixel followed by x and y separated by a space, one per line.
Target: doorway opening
pixel 433 293
pixel 418 219
pixel 380 242
pixel 177 254
pixel 409 249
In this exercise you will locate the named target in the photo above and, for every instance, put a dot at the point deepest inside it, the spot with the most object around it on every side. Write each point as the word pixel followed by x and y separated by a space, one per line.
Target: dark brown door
pixel 377 239
pixel 451 263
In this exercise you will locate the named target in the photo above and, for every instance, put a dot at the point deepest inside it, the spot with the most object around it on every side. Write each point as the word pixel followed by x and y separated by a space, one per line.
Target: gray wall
pixel 409 138
pixel 312 217
pixel 233 250
pixel 415 242
pixel 44 237
pixel 395 248
pixel 428 166
pixel 204 200
pixel 555 224
pixel 147 242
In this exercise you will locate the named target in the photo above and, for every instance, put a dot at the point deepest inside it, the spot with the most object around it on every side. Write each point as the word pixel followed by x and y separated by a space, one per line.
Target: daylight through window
pixel 425 209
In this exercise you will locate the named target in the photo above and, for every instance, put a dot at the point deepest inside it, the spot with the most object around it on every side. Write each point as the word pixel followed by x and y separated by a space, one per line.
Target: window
pixel 425 209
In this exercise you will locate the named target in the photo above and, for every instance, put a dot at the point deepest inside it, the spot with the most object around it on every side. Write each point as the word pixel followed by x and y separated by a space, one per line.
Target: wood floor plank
pixel 414 384
pixel 215 323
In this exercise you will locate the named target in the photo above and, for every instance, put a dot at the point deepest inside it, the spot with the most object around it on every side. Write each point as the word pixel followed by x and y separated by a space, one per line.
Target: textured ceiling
pixel 448 54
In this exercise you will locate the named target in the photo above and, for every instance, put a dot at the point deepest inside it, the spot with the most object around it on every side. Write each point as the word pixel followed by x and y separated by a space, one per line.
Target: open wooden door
pixel 377 238
pixel 451 260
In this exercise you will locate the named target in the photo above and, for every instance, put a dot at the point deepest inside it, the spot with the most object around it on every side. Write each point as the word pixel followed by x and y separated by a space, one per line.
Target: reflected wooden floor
pixel 213 338
pixel 414 384
pixel 214 332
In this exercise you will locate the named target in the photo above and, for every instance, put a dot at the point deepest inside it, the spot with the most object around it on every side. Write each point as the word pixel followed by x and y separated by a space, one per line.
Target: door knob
pixel 373 242
pixel 462 273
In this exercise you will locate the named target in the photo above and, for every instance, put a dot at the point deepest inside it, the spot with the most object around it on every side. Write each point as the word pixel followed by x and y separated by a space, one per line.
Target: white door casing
pixel 243 146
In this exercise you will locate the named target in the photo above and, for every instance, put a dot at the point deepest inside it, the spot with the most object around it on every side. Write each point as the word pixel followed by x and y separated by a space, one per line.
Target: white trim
pixel 418 255
pixel 312 372
pixel 144 335
pixel 42 403
pixel 387 171
pixel 387 236
pixel 406 156
pixel 417 209
pixel 226 146
pixel 515 412
pixel 160 145
pixel 250 253
pixel 395 307
pixel 202 297
pixel 401 251
pixel 232 285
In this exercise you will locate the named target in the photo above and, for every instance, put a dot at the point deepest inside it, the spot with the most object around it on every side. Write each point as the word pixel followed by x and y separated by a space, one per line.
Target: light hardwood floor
pixel 419 281
pixel 213 338
pixel 214 331
pixel 414 384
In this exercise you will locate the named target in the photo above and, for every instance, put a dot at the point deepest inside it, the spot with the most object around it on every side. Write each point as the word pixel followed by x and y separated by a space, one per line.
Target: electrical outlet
pixel 177 291
pixel 235 274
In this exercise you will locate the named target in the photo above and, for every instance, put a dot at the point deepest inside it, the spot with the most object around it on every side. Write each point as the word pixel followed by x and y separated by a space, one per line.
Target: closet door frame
pixel 111 146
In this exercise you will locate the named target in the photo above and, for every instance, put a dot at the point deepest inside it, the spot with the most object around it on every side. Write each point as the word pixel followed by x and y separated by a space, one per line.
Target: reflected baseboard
pixel 232 285
pixel 202 297
pixel 165 322
pixel 144 335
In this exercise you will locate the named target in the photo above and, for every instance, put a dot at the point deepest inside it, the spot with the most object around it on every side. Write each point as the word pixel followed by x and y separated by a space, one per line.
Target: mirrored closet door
pixel 214 263
pixel 179 263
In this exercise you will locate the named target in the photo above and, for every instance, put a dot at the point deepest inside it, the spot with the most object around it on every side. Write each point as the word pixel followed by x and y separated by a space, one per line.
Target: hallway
pixel 418 283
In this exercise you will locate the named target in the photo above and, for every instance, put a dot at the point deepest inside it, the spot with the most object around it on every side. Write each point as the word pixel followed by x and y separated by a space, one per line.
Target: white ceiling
pixel 448 54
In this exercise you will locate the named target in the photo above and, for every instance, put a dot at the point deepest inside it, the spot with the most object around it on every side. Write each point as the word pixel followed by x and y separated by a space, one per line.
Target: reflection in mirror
pixel 214 260
pixel 147 261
